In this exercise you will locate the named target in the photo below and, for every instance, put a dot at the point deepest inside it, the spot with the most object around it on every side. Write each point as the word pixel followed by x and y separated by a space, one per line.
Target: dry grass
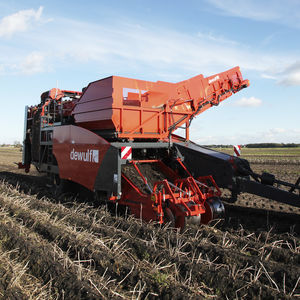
pixel 73 250
pixel 149 260
pixel 16 282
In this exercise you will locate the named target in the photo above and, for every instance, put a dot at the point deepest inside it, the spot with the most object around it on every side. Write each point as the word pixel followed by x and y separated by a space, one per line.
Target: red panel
pixel 95 104
pixel 79 153
pixel 97 119
pixel 154 108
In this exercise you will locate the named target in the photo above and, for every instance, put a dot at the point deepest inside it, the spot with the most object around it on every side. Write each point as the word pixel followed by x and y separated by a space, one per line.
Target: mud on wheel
pixel 214 209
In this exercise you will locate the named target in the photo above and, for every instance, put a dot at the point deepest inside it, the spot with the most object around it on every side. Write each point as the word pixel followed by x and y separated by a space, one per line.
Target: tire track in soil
pixel 16 283
pixel 106 254
pixel 252 219
pixel 277 254
pixel 256 219
pixel 45 261
pixel 207 249
pixel 151 230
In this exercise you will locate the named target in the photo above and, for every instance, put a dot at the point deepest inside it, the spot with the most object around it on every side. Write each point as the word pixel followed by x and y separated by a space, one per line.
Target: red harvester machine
pixel 116 139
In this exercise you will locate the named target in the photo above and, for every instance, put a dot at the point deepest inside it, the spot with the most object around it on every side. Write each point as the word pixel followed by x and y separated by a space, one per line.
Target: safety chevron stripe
pixel 126 153
pixel 237 150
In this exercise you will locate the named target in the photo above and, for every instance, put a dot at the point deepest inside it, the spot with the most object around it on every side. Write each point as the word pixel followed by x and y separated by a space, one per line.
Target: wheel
pixel 127 212
pixel 180 223
pixel 169 217
pixel 63 186
pixel 58 185
pixel 214 209
pixel 121 210
pixel 101 197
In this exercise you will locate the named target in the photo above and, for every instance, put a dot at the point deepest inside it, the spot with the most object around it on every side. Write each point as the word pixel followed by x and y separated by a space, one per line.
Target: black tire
pixel 63 186
pixel 101 197
pixel 180 223
pixel 169 217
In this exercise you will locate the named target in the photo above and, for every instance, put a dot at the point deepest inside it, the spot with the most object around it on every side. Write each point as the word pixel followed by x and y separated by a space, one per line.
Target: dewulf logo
pixel 88 156
pixel 213 79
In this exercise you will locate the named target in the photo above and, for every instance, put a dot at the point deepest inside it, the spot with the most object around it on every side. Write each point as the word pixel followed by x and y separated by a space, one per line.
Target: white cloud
pixel 268 39
pixel 290 75
pixel 150 50
pixel 19 22
pixel 291 79
pixel 248 102
pixel 158 49
pixel 33 63
pixel 277 130
pixel 268 76
pixel 283 12
pixel 246 9
pixel 270 135
pixel 216 38
pixel 279 135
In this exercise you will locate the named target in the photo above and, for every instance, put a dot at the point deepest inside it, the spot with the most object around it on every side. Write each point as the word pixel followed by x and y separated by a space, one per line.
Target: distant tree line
pixel 16 144
pixel 259 145
pixel 272 145
pixel 218 146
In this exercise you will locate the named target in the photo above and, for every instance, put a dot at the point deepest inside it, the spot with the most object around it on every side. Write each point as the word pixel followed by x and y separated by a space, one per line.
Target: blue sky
pixel 76 42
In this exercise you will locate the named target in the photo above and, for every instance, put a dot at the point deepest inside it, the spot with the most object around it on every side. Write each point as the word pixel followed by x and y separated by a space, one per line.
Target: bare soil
pixel 289 173
pixel 150 172
pixel 74 250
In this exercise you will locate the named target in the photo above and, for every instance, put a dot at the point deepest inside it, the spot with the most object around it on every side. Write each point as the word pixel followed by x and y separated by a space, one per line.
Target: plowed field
pixel 63 248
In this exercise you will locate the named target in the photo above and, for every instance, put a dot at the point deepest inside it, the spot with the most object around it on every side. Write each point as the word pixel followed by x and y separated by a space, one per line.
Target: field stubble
pixel 58 248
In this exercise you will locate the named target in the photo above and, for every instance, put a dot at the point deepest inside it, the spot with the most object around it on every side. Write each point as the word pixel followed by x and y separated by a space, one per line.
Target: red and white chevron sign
pixel 126 153
pixel 237 150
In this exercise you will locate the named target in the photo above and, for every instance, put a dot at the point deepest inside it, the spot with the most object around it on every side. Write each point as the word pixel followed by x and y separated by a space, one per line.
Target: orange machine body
pixel 138 109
